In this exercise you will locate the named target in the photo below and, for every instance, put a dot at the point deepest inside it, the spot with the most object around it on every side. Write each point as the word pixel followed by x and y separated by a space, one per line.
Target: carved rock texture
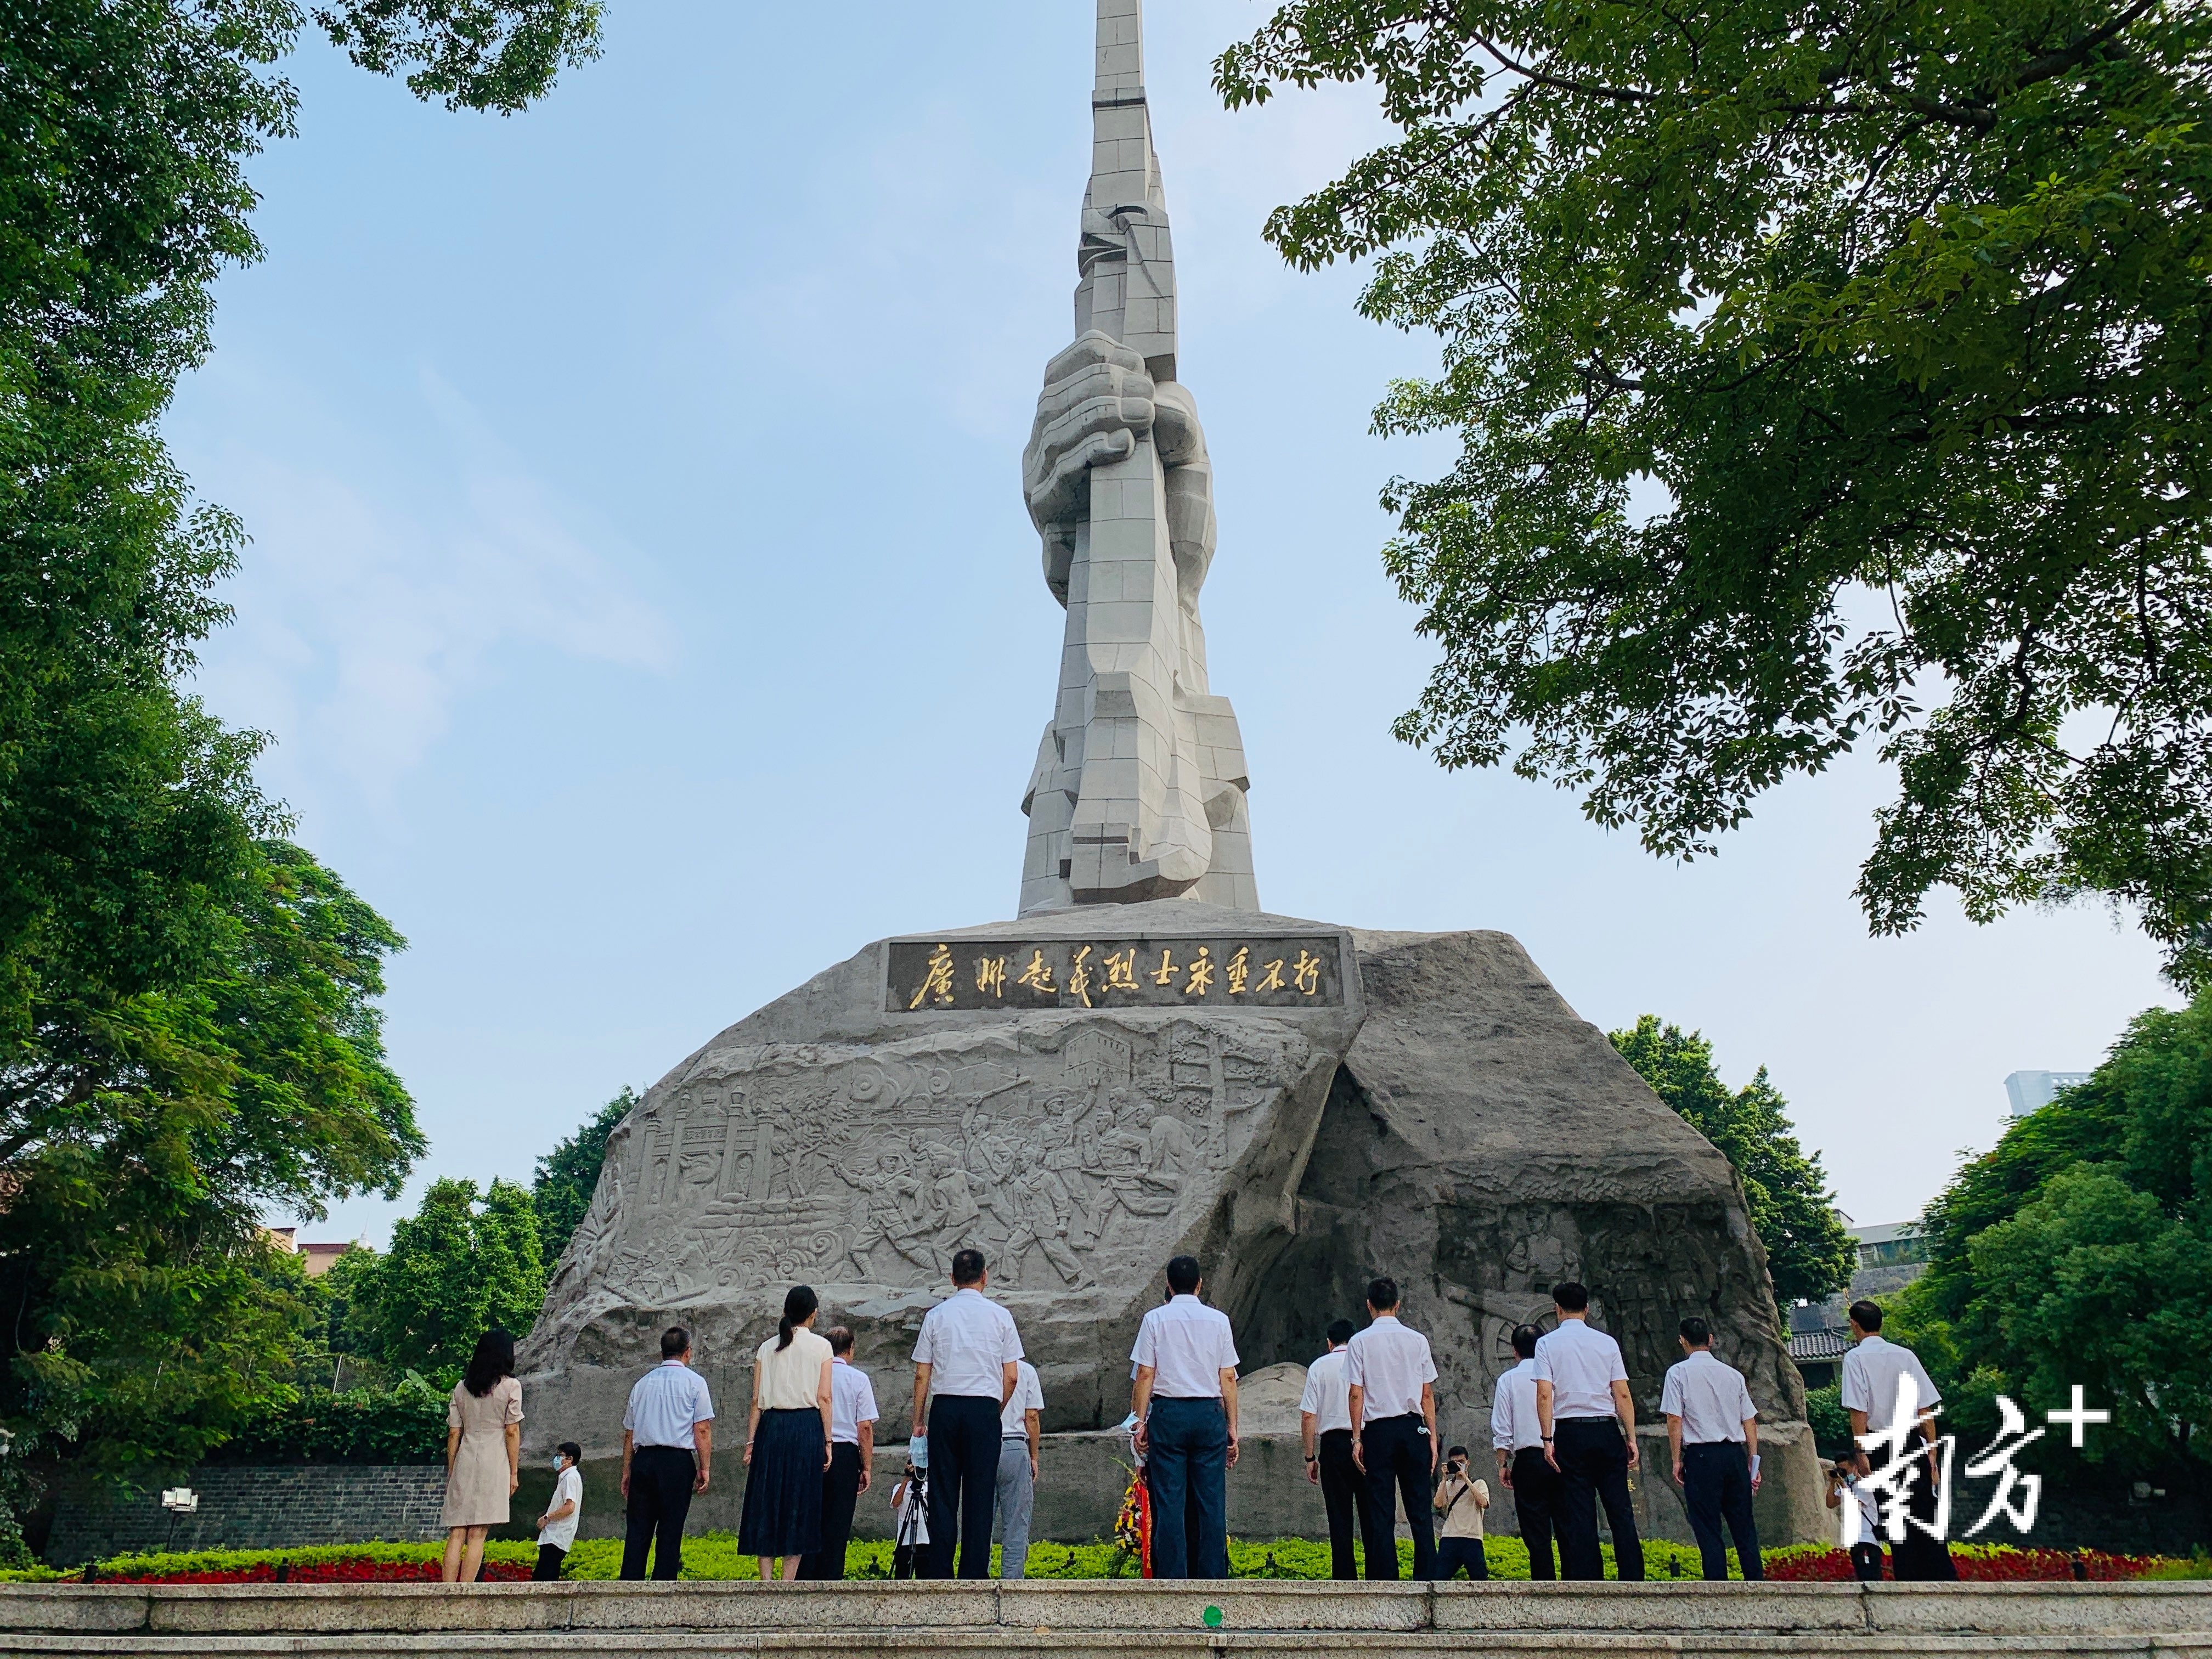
pixel 1450 1121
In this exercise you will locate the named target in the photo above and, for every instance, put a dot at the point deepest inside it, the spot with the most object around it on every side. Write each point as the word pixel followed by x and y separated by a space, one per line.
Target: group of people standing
pixel 1563 1426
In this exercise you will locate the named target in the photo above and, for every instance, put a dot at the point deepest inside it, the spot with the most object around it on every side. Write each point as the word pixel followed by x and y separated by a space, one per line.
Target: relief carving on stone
pixel 1068 1153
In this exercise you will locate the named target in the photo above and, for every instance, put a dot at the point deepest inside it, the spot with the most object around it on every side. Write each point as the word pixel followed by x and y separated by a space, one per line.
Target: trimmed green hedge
pixel 405 1424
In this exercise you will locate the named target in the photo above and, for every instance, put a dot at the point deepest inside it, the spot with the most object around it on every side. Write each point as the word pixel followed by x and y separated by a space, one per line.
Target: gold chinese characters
pixel 1119 973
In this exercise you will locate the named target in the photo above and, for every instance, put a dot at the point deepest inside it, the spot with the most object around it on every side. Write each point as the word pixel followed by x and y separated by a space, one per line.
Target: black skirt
pixel 783 1486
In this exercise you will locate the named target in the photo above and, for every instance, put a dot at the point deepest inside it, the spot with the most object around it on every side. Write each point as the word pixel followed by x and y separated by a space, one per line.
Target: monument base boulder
pixel 1081 1095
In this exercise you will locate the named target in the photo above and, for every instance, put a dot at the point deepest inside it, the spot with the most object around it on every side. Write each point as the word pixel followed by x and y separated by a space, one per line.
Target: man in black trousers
pixel 1392 1401
pixel 1521 1469
pixel 1588 1418
pixel 1713 1429
pixel 852 1455
pixel 668 1438
pixel 1325 1423
pixel 965 1367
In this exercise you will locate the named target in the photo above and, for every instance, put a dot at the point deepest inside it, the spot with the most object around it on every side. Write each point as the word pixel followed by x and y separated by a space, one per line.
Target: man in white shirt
pixel 1020 1428
pixel 1588 1418
pixel 1325 1424
pixel 1712 1430
pixel 964 1371
pixel 1521 1469
pixel 1393 1399
pixel 668 1440
pixel 1184 1399
pixel 852 1417
pixel 1872 1372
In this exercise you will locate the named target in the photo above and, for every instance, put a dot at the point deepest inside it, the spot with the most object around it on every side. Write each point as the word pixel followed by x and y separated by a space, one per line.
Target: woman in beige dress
pixel 484 1454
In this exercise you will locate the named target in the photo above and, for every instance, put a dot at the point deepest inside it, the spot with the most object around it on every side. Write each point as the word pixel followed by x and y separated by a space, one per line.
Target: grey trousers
pixel 1017 1502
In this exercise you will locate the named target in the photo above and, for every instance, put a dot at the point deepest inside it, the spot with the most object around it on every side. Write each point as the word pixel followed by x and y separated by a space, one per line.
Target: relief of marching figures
pixel 1061 1153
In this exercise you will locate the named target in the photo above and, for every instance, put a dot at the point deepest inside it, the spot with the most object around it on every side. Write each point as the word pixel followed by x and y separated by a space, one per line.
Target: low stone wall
pixel 243 1508
pixel 1120 1620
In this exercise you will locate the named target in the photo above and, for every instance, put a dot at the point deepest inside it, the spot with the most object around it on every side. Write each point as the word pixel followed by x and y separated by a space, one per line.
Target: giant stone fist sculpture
pixel 1138 789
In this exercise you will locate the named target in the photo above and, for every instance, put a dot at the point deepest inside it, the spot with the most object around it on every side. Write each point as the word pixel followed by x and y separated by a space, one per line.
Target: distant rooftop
pixel 2031 1090
pixel 1884 1232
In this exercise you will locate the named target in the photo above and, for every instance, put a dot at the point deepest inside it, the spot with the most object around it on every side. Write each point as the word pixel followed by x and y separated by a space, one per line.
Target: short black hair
pixel 1183 1274
pixel 841 1340
pixel 1696 1332
pixel 1340 1332
pixel 571 1450
pixel 1524 1341
pixel 967 1266
pixel 1867 1315
pixel 1456 1451
pixel 1571 1298
pixel 1383 1294
pixel 675 1342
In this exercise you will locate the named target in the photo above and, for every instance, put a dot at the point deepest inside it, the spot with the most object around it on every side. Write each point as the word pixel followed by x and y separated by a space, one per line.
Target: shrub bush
pixel 405 1424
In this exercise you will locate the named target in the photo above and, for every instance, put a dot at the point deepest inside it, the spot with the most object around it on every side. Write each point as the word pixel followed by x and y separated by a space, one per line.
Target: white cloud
pixel 369 604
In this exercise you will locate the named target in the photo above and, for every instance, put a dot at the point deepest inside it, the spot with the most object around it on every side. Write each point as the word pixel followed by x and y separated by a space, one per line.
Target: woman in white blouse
pixel 788 1441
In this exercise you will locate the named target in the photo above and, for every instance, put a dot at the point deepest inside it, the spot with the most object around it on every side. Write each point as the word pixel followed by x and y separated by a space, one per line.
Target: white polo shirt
pixel 1513 1425
pixel 1582 1365
pixel 1028 1396
pixel 967 1341
pixel 1870 1374
pixel 1389 1364
pixel 1709 1397
pixel 852 1403
pixel 1328 1393
pixel 1188 1345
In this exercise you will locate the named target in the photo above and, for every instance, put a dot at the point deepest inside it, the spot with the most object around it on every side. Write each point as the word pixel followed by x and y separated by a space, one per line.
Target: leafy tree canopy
pixel 2079 1250
pixel 461 1265
pixel 568 1176
pixel 143 1138
pixel 1903 307
pixel 187 1027
pixel 1808 1251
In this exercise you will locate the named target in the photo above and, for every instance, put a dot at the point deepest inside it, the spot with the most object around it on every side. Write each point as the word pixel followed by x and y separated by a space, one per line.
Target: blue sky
pixel 643 605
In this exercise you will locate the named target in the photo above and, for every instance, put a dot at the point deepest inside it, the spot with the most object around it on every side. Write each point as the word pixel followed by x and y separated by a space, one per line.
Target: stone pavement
pixel 1260 1617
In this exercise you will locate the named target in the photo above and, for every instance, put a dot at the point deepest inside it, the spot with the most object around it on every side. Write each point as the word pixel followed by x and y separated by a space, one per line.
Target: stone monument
pixel 1144 1063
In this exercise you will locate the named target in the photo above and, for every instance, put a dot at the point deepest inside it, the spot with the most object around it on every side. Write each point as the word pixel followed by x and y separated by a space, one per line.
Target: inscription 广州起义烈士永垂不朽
pixel 936 976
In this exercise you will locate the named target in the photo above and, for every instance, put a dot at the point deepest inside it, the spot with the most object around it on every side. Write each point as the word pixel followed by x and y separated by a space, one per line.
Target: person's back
pixel 1581 1386
pixel 1517 1437
pixel 667 1443
pixel 1185 1397
pixel 1713 1429
pixel 1393 1410
pixel 1325 1426
pixel 964 1369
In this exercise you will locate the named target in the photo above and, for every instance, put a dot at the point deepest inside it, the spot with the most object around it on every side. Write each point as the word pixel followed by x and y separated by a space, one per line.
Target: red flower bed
pixel 2004 1566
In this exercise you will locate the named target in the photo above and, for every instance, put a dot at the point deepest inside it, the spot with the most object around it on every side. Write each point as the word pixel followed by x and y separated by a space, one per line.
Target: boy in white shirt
pixel 556 1527
pixel 1461 1502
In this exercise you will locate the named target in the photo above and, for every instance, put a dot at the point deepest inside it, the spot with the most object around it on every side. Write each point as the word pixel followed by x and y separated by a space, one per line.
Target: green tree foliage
pixel 404 1424
pixel 2079 1250
pixel 457 1267
pixel 1902 306
pixel 143 1137
pixel 1808 1251
pixel 187 1030
pixel 568 1176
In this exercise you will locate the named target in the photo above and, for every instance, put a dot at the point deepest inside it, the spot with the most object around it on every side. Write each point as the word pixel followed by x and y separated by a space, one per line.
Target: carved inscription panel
pixel 1231 974
pixel 1068 1153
